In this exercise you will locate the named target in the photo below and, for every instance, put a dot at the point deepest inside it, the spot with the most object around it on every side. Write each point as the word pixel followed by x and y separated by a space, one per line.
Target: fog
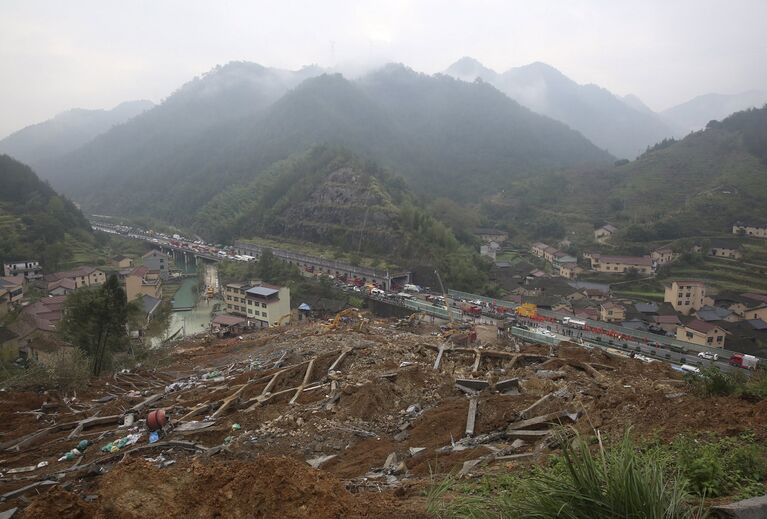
pixel 97 53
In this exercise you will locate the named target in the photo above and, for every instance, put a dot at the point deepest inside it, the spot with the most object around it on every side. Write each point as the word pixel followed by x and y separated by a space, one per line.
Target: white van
pixel 690 369
pixel 411 288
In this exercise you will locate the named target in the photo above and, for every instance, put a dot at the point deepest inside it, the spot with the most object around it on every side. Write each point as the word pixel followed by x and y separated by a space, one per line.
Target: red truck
pixel 471 310
pixel 744 361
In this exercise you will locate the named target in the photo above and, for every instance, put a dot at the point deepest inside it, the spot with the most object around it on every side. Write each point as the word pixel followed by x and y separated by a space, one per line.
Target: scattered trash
pixel 69 456
pixel 122 442
pixel 42 464
pixel 84 444
pixel 236 427
pixel 154 437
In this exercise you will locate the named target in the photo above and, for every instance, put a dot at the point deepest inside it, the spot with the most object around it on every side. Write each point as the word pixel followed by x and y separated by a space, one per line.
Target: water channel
pixel 192 311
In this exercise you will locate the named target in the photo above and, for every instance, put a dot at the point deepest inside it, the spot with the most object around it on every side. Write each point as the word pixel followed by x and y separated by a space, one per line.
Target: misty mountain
pixel 607 120
pixel 695 114
pixel 67 131
pixel 445 136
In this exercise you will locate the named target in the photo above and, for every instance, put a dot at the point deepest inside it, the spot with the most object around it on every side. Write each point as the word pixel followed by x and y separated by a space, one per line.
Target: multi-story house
pixel 143 281
pixel 74 279
pixel 156 260
pixel 29 268
pixel 685 296
pixel 262 304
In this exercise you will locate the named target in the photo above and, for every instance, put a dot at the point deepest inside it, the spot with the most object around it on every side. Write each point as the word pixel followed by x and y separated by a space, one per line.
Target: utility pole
pixel 447 301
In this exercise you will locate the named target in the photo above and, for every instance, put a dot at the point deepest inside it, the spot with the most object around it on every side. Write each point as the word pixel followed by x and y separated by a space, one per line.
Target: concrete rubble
pixel 375 409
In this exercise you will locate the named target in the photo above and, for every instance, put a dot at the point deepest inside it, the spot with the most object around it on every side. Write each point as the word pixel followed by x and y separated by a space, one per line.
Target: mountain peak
pixel 469 69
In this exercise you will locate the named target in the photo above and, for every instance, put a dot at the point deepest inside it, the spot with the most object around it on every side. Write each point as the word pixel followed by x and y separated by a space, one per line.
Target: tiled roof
pixel 643 261
pixel 700 326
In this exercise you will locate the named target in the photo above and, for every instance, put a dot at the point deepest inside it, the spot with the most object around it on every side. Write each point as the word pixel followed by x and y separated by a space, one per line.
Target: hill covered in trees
pixel 696 186
pixel 330 197
pixel 34 219
pixel 446 137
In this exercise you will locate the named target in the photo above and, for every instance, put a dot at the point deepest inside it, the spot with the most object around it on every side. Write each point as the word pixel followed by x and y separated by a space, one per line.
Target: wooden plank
pixel 439 356
pixel 477 360
pixel 472 416
pixel 307 377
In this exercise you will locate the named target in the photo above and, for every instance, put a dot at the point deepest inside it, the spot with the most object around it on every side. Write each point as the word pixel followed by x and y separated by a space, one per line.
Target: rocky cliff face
pixel 349 209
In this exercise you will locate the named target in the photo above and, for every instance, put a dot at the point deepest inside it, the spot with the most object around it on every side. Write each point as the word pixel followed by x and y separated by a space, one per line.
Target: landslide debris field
pixel 295 422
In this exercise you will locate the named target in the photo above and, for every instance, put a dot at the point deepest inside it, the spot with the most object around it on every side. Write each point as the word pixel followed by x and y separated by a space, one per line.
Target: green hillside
pixel 694 187
pixel 348 206
pixel 34 220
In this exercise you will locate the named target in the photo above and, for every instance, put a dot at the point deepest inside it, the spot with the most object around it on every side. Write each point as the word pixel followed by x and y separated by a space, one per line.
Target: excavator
pixel 412 321
pixel 339 319
pixel 281 320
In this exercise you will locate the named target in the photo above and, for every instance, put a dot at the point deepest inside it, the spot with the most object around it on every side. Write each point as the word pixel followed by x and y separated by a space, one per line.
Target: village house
pixel 570 270
pixel 9 344
pixel 685 295
pixel 564 264
pixel 143 280
pixel 41 316
pixel 122 262
pixel 668 323
pixel 702 333
pixel 262 304
pixel 30 269
pixel 611 312
pixel 488 235
pixel 663 256
pixel 717 313
pixel 621 264
pixel 750 229
pixel 157 261
pixel 489 250
pixel 11 292
pixel 746 306
pixel 725 249
pixel 78 278
pixel 604 233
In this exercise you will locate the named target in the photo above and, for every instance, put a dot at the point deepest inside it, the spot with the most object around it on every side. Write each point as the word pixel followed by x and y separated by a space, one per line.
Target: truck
pixel 472 310
pixel 744 361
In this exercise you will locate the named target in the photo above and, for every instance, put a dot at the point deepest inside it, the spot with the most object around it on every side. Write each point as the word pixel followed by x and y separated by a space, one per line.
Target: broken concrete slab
pixel 471 416
pixel 471 385
pixel 754 508
pixel 518 444
pixel 320 460
pixel 193 426
pixel 527 434
pixel 508 386
pixel 391 461
pixel 516 457
pixel 535 405
pixel 550 374
pixel 544 420
pixel 416 450
pixel 469 465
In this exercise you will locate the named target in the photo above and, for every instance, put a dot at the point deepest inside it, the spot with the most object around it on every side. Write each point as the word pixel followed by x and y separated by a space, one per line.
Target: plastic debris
pixel 122 442
pixel 236 427
pixel 154 437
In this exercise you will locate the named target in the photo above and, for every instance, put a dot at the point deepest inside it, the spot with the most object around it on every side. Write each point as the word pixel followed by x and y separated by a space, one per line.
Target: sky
pixel 56 55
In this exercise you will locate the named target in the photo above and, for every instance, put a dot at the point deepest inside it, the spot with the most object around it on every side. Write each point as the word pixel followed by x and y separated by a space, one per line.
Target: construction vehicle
pixel 411 321
pixel 281 320
pixel 341 317
pixel 527 310
pixel 744 361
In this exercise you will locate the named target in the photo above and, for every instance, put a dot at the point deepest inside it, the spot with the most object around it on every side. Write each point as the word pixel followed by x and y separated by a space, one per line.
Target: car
pixel 708 355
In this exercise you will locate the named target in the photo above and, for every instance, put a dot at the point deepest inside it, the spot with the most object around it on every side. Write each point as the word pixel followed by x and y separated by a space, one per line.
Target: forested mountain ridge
pixel 48 140
pixel 34 219
pixel 608 121
pixel 331 197
pixel 696 186
pixel 444 136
